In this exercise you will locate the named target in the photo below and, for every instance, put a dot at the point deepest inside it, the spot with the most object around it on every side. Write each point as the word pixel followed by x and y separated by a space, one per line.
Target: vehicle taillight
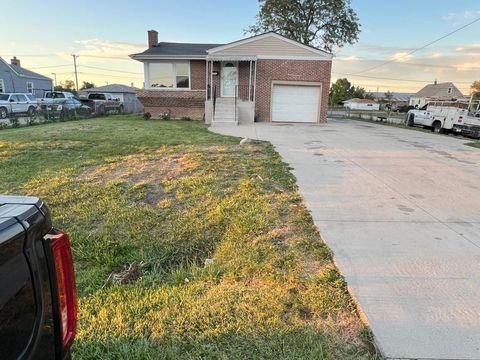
pixel 66 289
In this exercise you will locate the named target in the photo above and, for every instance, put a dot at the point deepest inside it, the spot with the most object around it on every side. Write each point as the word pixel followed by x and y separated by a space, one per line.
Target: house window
pixel 169 75
pixel 2 86
pixel 450 90
pixel 29 87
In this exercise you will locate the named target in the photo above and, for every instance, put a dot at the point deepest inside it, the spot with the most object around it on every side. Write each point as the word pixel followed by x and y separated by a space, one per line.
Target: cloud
pixel 449 17
pixel 108 49
pixel 469 14
pixel 471 49
pixel 401 57
pixel 468 66
pixel 349 58
pixel 455 17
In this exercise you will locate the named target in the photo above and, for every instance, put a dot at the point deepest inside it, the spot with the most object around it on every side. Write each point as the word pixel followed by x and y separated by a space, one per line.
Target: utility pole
pixel 55 75
pixel 76 73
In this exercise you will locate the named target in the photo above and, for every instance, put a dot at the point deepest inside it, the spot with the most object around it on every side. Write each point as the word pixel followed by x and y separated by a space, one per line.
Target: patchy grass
pixel 475 144
pixel 186 245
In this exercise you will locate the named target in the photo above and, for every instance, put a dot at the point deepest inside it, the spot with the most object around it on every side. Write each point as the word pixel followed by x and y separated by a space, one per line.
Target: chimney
pixel 15 61
pixel 435 82
pixel 152 38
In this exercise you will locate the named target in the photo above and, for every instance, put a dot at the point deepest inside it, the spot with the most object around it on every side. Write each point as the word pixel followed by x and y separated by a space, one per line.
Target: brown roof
pixel 439 90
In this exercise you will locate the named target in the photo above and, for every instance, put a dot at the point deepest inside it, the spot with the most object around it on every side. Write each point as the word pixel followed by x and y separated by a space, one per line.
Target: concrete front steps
pixel 224 111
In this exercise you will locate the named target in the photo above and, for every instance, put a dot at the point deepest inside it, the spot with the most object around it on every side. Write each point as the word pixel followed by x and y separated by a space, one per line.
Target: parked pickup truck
pixel 17 103
pixel 439 116
pixel 38 310
pixel 103 103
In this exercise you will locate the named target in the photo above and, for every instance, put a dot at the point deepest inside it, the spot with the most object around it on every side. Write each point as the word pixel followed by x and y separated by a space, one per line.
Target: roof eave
pixel 140 57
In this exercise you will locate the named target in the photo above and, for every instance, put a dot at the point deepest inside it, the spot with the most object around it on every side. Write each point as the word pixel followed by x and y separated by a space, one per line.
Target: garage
pixel 295 103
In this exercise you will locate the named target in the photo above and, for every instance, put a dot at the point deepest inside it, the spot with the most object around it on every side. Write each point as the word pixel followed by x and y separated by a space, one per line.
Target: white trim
pixel 33 87
pixel 211 80
pixel 174 75
pixel 168 57
pixel 232 57
pixel 250 81
pixel 206 80
pixel 294 57
pixel 2 87
pixel 254 83
pixel 262 36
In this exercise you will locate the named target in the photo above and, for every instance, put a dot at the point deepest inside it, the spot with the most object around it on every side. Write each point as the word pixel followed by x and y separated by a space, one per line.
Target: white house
pixel 435 92
pixel 361 104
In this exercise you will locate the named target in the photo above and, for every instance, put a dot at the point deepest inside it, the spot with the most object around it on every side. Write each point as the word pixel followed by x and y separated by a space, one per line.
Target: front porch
pixel 230 89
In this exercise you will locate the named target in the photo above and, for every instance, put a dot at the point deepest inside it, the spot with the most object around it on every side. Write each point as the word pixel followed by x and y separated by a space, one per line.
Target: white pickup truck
pixel 440 116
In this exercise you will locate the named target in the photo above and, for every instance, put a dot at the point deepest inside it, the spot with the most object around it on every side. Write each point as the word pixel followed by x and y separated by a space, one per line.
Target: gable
pixel 438 90
pixel 270 44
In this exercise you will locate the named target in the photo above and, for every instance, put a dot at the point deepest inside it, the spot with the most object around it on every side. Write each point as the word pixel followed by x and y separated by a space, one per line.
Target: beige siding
pixel 268 46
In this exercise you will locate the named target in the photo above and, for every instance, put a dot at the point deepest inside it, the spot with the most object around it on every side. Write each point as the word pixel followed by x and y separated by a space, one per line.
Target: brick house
pixel 267 78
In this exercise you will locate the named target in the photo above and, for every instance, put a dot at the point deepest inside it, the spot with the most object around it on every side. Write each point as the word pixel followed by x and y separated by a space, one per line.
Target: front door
pixel 229 79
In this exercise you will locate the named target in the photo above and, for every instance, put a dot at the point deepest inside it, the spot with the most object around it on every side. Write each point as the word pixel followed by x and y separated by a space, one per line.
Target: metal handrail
pixel 214 100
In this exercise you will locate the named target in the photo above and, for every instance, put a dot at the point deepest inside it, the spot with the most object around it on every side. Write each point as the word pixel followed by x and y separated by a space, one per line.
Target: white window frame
pixel 2 86
pixel 174 75
pixel 33 87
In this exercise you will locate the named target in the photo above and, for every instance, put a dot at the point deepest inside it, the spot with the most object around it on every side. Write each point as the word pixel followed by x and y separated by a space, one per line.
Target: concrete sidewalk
pixel 400 210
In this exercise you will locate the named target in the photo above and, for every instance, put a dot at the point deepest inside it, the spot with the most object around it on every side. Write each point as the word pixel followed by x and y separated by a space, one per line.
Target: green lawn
pixel 475 144
pixel 186 245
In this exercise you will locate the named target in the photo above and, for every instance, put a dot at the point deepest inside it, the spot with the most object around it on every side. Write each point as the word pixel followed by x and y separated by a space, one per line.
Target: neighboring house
pixel 361 104
pixel 396 99
pixel 266 78
pixel 127 94
pixel 434 92
pixel 14 78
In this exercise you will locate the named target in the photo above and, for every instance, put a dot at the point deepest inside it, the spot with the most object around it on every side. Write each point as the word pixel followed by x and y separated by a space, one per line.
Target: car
pixel 66 109
pixel 17 103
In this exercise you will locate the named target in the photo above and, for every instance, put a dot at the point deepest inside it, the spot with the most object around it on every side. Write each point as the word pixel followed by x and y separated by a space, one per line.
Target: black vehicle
pixel 66 109
pixel 38 310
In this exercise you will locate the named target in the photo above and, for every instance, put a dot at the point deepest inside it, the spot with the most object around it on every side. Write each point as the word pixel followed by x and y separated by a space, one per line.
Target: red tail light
pixel 66 289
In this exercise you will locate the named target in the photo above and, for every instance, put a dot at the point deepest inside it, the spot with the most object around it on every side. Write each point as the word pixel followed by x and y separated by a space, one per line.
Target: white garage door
pixel 295 103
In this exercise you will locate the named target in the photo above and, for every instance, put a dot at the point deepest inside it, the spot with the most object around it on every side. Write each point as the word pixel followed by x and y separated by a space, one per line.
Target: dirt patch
pixel 138 169
pixel 310 267
pixel 145 172
pixel 129 274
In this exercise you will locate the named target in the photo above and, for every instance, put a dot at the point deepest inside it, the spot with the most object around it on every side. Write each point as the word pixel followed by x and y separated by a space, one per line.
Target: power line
pixel 111 75
pixel 49 67
pixel 394 79
pixel 408 63
pixel 118 71
pixel 106 57
pixel 418 49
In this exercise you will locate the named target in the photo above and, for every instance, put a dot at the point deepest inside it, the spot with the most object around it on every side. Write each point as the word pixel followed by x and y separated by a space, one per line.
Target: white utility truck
pixel 440 116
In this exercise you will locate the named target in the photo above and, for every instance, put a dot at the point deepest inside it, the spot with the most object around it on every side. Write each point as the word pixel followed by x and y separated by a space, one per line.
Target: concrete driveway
pixel 401 211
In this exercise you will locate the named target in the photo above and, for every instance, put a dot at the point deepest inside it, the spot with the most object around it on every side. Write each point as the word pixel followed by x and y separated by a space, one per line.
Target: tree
pixel 343 90
pixel 67 85
pixel 87 85
pixel 322 23
pixel 475 90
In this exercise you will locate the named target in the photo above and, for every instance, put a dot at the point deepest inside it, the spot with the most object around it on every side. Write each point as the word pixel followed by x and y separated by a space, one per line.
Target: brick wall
pixel 290 70
pixel 187 103
pixel 197 74
pixel 180 103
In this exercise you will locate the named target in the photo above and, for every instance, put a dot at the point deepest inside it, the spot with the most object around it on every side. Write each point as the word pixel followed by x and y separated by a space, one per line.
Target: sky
pixel 103 33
